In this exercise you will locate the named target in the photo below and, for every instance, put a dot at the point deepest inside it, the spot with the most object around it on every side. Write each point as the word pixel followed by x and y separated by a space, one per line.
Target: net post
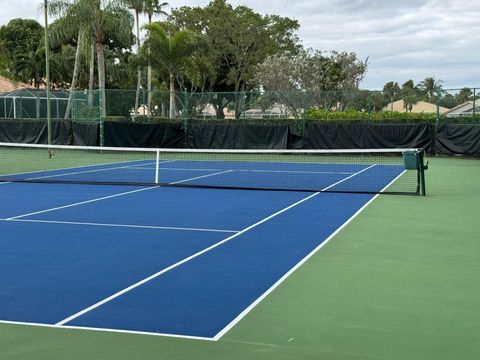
pixel 157 165
pixel 421 169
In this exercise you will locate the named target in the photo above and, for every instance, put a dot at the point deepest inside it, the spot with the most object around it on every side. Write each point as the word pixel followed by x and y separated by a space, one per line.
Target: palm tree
pixel 431 88
pixel 170 52
pixel 151 8
pixel 410 98
pixel 74 16
pixel 108 17
pixel 390 90
pixel 137 6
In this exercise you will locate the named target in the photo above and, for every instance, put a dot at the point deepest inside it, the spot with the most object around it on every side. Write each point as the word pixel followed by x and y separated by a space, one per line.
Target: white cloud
pixel 403 39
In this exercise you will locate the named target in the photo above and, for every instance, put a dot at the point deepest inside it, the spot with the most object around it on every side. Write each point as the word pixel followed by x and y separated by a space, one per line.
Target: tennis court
pixel 169 260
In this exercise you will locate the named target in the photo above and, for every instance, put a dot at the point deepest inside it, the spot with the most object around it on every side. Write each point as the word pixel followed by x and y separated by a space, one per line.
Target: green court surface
pixel 401 281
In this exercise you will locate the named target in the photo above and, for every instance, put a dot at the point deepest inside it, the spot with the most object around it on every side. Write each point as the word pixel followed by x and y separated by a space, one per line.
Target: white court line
pixel 300 263
pixel 124 225
pixel 121 225
pixel 90 171
pixel 200 177
pixel 256 171
pixel 81 203
pixel 76 167
pixel 7 322
pixel 191 257
pixel 107 197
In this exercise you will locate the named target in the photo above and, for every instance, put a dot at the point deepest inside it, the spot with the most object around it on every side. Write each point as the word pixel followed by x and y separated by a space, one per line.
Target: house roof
pixel 463 109
pixel 7 85
pixel 419 107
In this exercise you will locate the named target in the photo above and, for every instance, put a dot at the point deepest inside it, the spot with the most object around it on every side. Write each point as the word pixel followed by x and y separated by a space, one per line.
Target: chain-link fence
pixel 396 106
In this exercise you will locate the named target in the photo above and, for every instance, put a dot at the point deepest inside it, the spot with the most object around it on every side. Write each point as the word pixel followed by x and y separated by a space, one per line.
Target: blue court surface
pixel 188 262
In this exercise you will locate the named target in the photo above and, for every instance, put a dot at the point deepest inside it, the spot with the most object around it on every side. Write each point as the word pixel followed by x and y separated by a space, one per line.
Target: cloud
pixel 402 39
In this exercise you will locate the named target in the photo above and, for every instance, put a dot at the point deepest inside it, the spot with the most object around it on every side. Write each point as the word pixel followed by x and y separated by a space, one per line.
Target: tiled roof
pixel 7 85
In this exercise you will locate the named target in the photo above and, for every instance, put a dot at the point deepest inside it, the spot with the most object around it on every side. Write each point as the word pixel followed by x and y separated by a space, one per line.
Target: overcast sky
pixel 406 39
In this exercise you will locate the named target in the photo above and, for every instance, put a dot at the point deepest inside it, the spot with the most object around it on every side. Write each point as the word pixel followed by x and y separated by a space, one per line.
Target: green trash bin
pixel 410 160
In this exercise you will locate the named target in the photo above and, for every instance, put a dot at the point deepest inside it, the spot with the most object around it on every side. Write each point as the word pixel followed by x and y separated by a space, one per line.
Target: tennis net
pixel 358 171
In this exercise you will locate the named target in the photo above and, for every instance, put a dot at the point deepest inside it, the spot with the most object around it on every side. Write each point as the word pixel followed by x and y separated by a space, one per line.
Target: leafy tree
pixel 313 79
pixel 448 101
pixel 30 66
pixel 21 39
pixel 238 40
pixel 5 59
pixel 464 95
pixel 170 52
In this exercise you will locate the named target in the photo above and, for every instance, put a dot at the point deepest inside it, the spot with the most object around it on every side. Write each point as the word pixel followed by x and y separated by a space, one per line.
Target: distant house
pixel 463 110
pixel 7 85
pixel 419 107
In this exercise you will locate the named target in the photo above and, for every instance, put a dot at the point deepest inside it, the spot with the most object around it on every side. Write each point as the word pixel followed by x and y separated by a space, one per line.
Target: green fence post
pixel 437 114
pixel 474 104
pixel 185 117
pixel 244 107
pixel 304 123
pixel 369 107
pixel 101 127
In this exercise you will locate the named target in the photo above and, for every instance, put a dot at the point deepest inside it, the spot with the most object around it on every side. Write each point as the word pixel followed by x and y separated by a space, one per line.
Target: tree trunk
pixel 139 70
pixel 149 77
pixel 101 77
pixel 172 97
pixel 91 77
pixel 75 75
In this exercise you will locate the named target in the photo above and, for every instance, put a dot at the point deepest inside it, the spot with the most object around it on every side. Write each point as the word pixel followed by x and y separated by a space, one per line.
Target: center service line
pixel 181 262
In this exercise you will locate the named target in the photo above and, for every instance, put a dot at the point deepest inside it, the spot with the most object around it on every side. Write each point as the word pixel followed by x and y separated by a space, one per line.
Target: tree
pixel 5 59
pixel 431 88
pixel 170 52
pixel 152 8
pixel 238 40
pixel 410 98
pixel 21 38
pixel 464 95
pixel 409 94
pixel 312 79
pixel 138 7
pixel 390 91
pixel 110 21
pixel 30 66
pixel 73 19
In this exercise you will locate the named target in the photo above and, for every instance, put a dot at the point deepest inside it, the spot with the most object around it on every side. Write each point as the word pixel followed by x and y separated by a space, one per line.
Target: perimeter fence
pixel 300 119
pixel 446 106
